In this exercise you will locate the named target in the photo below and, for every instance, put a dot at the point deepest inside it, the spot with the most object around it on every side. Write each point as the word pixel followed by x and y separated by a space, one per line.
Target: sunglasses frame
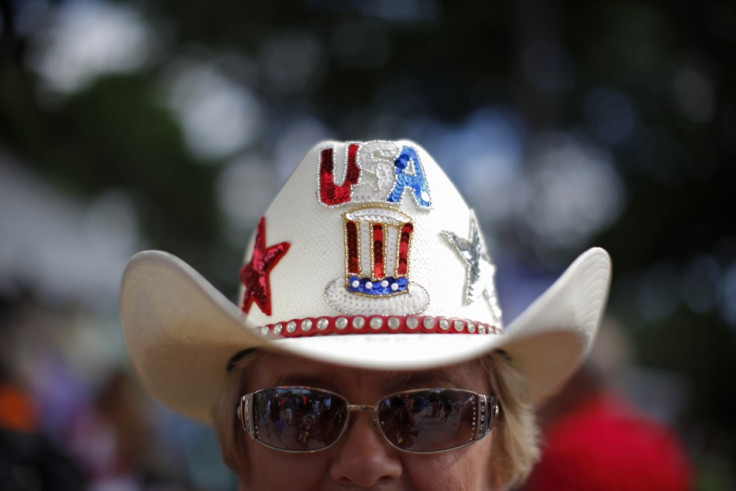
pixel 488 410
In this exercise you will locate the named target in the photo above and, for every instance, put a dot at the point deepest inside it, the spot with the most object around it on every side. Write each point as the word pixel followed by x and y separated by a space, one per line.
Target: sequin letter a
pixel 255 274
pixel 409 174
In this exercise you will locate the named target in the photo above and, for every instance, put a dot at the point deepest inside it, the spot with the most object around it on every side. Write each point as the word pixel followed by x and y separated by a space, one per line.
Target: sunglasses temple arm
pixel 245 414
pixel 488 409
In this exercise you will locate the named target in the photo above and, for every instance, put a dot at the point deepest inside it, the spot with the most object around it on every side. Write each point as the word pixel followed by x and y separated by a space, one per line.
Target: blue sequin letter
pixel 415 181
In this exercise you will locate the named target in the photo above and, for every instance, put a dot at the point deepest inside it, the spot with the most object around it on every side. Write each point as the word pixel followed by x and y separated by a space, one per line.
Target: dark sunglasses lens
pixel 298 419
pixel 429 420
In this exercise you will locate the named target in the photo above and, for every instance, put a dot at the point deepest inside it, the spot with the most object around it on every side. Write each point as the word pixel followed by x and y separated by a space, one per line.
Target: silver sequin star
pixel 480 270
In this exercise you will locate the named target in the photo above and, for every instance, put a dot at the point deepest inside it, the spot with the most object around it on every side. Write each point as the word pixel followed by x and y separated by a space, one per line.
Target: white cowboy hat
pixel 368 257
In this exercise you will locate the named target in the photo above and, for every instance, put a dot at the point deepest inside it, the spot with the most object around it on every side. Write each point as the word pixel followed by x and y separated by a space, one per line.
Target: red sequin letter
pixel 329 192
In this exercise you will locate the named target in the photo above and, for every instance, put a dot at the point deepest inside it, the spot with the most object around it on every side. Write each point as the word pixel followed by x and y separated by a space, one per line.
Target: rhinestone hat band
pixel 376 324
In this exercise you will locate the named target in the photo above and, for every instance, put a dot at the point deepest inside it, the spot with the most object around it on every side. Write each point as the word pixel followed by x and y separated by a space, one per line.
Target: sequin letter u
pixel 330 193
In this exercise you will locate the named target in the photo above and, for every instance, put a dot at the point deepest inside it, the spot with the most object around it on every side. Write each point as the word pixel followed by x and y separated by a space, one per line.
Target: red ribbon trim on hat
pixel 377 324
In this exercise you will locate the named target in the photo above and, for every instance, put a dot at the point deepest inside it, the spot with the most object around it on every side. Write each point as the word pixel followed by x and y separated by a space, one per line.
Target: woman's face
pixel 361 458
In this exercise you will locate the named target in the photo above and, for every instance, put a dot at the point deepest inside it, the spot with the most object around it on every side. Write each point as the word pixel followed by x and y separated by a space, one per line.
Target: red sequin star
pixel 255 273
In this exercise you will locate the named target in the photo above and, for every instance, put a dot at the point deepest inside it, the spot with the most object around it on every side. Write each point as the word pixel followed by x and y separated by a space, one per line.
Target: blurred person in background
pixel 59 431
pixel 367 348
pixel 29 459
pixel 594 436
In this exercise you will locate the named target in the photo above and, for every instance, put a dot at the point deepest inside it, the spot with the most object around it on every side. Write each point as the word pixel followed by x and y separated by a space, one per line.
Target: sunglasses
pixel 307 419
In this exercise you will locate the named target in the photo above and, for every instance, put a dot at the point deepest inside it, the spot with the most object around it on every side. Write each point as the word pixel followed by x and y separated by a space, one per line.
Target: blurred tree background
pixel 166 124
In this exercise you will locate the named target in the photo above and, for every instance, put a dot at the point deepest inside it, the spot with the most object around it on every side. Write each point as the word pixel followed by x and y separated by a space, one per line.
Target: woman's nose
pixel 362 457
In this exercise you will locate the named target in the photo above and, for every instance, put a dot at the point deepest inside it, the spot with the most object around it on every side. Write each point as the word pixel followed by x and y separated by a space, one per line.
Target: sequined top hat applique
pixel 379 175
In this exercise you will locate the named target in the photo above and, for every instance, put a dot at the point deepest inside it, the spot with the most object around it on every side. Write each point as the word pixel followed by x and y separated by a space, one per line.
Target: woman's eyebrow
pixel 434 377
pixel 304 379
pixel 394 381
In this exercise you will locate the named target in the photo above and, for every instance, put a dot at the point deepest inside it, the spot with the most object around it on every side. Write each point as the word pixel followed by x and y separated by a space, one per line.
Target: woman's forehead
pixel 270 369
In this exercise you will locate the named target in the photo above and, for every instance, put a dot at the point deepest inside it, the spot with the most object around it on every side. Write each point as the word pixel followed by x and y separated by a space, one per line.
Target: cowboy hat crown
pixel 367 257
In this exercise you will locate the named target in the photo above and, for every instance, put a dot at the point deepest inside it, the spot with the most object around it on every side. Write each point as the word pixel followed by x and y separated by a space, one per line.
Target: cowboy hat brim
pixel 181 333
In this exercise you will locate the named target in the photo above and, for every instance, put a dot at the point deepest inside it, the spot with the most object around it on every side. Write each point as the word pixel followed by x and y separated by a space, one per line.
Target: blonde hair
pixel 515 446
pixel 515 434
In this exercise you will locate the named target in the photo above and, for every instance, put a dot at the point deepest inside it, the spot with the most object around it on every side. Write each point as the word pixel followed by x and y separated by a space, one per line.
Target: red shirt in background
pixel 604 443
